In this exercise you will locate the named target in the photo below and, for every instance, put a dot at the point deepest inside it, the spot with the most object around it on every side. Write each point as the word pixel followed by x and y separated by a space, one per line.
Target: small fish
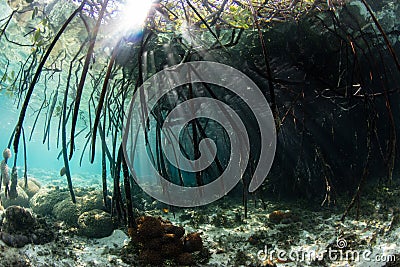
pixel 52 69
pixel 62 171
pixel 165 210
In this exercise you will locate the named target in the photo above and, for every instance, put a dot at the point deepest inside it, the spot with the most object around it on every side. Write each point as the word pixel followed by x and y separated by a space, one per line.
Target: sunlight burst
pixel 134 14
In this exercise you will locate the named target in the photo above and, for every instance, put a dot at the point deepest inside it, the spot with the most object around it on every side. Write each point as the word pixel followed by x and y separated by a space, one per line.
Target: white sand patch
pixel 69 252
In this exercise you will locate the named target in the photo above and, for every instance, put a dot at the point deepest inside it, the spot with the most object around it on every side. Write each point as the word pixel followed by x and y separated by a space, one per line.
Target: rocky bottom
pixel 273 234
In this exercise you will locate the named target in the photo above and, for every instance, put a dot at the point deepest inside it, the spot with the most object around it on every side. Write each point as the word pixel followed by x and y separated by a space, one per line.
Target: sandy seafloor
pixel 235 241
